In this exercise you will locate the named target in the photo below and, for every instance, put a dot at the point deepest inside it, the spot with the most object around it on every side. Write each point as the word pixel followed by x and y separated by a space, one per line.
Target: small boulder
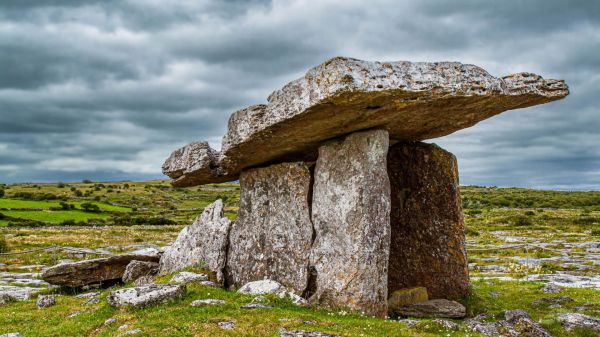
pixel 433 308
pixel 522 323
pixel 262 287
pixel 553 300
pixel 110 321
pixel 551 288
pixel 45 301
pixel 143 280
pixel 226 325
pixel 256 306
pixel 203 303
pixel 573 320
pixel 186 277
pixel 145 295
pixel 136 269
pixel 407 296
pixel 82 273
pixel 446 324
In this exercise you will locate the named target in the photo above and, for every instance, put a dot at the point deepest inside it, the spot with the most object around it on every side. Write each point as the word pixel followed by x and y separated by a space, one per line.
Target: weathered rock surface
pixel 256 306
pixel 9 293
pixel 272 235
pixel 413 101
pixel 572 320
pixel 203 303
pixel 186 277
pixel 81 273
pixel 143 280
pixel 136 269
pixel 203 242
pixel 522 323
pixel 45 301
pixel 427 229
pixel 270 287
pixel 433 308
pixel 145 295
pixel 350 213
pixel 407 296
pixel 551 288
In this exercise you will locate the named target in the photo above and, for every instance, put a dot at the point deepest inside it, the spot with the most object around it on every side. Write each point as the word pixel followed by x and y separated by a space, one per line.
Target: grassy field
pixel 500 222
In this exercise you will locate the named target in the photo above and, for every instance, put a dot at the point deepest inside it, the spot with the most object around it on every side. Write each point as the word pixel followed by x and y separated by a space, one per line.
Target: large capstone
pixel 272 235
pixel 351 216
pixel 428 234
pixel 103 270
pixel 203 243
pixel 412 100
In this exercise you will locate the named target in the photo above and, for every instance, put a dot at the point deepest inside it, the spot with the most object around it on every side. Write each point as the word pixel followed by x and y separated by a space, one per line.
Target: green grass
pixel 55 216
pixel 17 203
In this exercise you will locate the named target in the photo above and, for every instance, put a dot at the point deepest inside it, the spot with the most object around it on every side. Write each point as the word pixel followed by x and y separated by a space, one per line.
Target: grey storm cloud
pixel 107 89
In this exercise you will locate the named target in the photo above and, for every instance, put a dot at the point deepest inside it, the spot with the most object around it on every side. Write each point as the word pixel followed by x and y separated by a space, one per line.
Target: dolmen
pixel 341 201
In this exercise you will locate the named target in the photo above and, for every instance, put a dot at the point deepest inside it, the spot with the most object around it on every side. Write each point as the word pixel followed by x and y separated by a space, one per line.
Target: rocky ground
pixel 534 272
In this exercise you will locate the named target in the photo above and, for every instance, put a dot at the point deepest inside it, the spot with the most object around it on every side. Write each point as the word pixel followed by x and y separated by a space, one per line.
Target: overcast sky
pixel 105 90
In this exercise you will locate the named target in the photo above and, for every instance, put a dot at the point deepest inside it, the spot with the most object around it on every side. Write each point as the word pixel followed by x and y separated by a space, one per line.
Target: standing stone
pixel 351 216
pixel 272 234
pixel 428 234
pixel 202 243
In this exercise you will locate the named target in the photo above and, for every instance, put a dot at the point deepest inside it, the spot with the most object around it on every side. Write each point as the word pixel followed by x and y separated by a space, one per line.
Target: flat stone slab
pixel 411 100
pixel 433 308
pixel 81 273
pixel 145 295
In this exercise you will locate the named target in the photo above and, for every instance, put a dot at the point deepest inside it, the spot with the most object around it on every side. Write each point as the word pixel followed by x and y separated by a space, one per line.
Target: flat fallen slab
pixel 81 273
pixel 413 101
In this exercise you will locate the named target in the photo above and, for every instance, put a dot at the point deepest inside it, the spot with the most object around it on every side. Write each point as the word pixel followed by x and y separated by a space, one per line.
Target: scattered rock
pixel 210 284
pixel 427 246
pixel 203 242
pixel 476 324
pixel 446 324
pixel 522 323
pixel 256 306
pixel 351 219
pixel 559 299
pixel 414 101
pixel 301 333
pixel 145 295
pixel 10 293
pixel 123 327
pixel 130 332
pixel 74 314
pixel 45 301
pixel 186 277
pixel 202 303
pixel 92 301
pixel 226 325
pixel 259 299
pixel 573 320
pixel 12 334
pixel 433 308
pixel 272 234
pixel 407 296
pixel 262 287
pixel 551 288
pixel 110 321
pixel 81 273
pixel 136 269
pixel 88 295
pixel 143 280
pixel 411 323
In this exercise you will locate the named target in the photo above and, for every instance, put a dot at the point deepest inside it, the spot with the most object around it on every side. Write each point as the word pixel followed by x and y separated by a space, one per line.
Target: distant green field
pixel 55 216
pixel 17 203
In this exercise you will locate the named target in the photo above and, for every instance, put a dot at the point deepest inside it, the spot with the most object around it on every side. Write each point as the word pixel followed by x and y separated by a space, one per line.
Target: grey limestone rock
pixel 351 217
pixel 145 295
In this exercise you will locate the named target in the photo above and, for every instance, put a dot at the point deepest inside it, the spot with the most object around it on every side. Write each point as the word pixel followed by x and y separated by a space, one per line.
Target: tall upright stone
pixel 351 216
pixel 428 234
pixel 203 243
pixel 272 234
